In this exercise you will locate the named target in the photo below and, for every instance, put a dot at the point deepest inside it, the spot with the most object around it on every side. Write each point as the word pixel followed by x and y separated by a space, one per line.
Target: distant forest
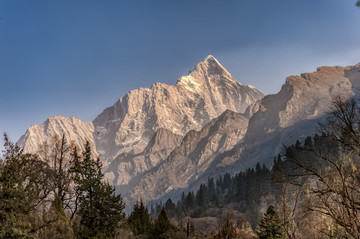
pixel 311 191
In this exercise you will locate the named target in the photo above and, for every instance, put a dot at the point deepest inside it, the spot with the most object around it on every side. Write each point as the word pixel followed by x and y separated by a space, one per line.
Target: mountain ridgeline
pixel 157 142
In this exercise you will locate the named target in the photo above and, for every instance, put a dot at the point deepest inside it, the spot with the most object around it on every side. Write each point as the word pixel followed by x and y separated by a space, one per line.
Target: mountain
pixel 274 121
pixel 208 90
pixel 194 156
pixel 158 141
pixel 296 111
pixel 75 130
pixel 147 125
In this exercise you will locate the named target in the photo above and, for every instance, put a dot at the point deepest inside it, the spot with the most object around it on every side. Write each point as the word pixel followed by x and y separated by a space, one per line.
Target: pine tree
pixel 170 207
pixel 162 225
pixel 163 222
pixel 270 226
pixel 139 220
pixel 100 209
pixel 190 201
pixel 59 226
pixel 201 196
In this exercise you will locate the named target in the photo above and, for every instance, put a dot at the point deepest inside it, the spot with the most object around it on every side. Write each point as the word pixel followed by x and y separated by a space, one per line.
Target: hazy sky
pixel 77 57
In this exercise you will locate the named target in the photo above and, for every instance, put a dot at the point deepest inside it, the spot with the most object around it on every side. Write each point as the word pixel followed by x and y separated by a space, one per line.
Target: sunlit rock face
pixel 295 112
pixel 303 97
pixel 76 132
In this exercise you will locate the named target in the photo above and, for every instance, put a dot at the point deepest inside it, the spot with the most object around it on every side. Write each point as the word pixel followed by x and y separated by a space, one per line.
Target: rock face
pixel 294 112
pixel 126 169
pixel 195 155
pixel 75 131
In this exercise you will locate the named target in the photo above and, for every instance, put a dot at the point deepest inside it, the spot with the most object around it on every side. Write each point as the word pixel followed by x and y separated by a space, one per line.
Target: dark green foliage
pixel 241 189
pixel 59 226
pixel 202 196
pixel 163 226
pixel 270 226
pixel 139 220
pixel 190 201
pixel 23 188
pixel 100 209
pixel 163 222
pixel 170 208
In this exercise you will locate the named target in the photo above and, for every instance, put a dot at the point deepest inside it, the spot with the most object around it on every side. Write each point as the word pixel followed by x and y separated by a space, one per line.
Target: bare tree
pixel 57 154
pixel 327 168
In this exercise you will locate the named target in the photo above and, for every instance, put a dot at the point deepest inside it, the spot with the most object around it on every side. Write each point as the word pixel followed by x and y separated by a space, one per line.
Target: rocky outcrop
pixel 126 169
pixel 302 100
pixel 195 155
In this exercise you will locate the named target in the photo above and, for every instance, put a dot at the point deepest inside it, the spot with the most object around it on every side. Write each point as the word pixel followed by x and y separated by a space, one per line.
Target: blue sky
pixel 74 57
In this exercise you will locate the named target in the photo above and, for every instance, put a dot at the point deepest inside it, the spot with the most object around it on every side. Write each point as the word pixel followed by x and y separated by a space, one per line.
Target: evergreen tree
pixel 170 207
pixel 100 209
pixel 163 222
pixel 241 189
pixel 212 195
pixel 139 220
pixel 59 226
pixel 270 226
pixel 23 188
pixel 162 225
pixel 201 196
pixel 227 181
pixel 220 184
pixel 190 201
